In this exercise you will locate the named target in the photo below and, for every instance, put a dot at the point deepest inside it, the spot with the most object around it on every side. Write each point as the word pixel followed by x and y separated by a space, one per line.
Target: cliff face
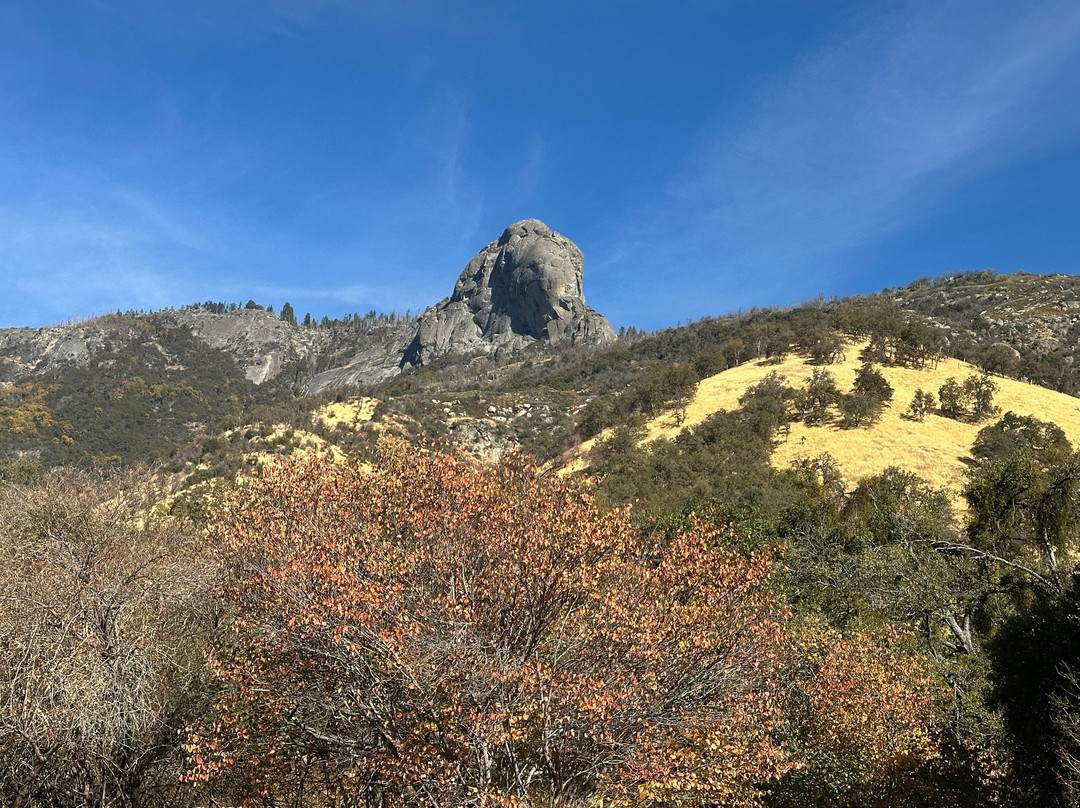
pixel 261 343
pixel 523 288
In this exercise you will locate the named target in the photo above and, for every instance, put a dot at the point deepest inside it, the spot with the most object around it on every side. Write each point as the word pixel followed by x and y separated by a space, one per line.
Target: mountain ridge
pixel 220 360
pixel 523 289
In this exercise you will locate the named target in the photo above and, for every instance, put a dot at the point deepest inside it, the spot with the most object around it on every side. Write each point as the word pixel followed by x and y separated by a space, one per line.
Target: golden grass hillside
pixel 934 449
pixel 349 413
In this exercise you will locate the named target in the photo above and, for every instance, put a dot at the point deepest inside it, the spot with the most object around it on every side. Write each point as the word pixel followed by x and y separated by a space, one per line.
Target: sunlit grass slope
pixel 934 449
pixel 346 412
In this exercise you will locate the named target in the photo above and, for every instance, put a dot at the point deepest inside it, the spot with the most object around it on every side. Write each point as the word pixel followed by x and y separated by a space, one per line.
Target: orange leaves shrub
pixel 433 632
pixel 868 733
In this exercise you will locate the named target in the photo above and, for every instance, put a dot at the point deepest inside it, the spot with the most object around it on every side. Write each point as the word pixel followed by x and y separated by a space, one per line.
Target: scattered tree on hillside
pixel 973 400
pixel 710 360
pixel 921 403
pixel 661 386
pixel 679 384
pixel 1021 434
pixel 287 313
pixel 872 382
pixel 918 345
pixel 767 403
pixel 953 399
pixel 595 416
pixel 769 340
pixel 980 389
pixel 813 402
pixel 1001 359
pixel 858 409
pixel 867 399
pixel 734 351
pixel 824 344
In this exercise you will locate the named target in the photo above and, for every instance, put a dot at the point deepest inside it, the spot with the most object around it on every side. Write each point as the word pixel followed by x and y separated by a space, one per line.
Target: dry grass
pixel 346 412
pixel 934 449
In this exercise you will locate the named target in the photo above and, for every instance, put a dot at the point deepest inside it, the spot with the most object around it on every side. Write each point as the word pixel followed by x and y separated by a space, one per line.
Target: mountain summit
pixel 522 288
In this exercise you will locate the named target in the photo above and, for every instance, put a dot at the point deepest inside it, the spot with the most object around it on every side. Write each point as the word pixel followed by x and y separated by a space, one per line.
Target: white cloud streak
pixel 77 240
pixel 853 144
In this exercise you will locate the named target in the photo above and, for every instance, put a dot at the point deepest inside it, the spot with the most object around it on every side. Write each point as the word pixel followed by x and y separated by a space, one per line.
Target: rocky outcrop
pixel 523 288
pixel 260 342
pixel 371 364
pixel 26 353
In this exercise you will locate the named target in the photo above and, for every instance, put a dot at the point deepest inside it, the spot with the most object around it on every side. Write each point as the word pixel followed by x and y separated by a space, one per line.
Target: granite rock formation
pixel 523 288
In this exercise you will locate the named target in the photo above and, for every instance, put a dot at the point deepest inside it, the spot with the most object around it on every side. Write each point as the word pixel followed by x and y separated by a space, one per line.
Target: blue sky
pixel 706 155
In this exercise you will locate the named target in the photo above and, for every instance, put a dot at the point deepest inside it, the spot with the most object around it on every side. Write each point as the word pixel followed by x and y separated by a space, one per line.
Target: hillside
pixel 696 430
pixel 136 386
pixel 142 386
pixel 935 449
pixel 1028 312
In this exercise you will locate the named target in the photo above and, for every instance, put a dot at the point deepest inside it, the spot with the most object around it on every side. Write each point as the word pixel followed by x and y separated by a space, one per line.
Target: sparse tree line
pixel 712 346
pixel 819 401
pixel 658 386
pixel 353 322
pixel 819 330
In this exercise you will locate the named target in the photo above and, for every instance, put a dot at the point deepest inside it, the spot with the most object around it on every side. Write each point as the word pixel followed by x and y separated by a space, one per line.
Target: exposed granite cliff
pixel 260 342
pixel 523 288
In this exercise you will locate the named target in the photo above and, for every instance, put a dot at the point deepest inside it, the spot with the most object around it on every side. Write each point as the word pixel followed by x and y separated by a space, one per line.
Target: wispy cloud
pixel 444 132
pixel 855 143
pixel 529 176
pixel 70 268
pixel 79 239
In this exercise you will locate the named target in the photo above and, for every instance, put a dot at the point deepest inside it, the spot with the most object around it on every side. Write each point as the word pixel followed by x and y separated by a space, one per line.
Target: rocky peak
pixel 522 288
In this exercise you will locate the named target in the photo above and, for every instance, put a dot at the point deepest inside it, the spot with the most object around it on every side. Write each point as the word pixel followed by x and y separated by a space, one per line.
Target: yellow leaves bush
pixel 866 720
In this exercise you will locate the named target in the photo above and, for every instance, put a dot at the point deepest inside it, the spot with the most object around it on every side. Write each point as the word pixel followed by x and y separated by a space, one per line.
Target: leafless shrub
pixel 103 616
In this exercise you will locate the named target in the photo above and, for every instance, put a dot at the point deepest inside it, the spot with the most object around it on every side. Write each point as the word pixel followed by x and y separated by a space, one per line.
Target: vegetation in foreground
pixel 433 631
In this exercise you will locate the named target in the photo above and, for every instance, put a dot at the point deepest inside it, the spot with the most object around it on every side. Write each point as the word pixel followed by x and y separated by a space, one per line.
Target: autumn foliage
pixel 433 632
pixel 866 730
